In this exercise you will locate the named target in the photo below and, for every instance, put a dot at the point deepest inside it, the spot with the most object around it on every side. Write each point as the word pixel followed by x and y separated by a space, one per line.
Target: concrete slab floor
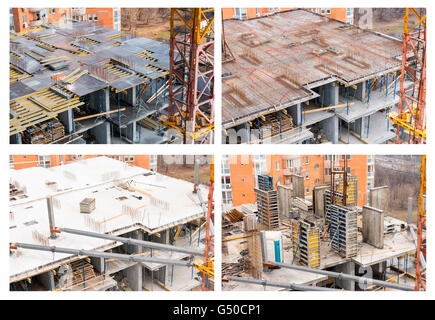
pixel 380 130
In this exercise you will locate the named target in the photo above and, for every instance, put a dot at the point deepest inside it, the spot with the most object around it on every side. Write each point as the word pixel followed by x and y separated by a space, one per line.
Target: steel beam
pixel 344 276
pixel 102 254
pixel 292 286
pixel 142 243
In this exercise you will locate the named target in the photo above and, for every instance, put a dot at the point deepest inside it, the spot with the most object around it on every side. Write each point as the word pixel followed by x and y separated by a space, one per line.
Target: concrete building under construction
pixel 329 241
pixel 302 77
pixel 79 82
pixel 102 224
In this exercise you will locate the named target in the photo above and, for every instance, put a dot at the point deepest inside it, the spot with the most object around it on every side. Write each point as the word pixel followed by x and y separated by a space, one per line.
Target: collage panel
pixel 111 75
pixel 323 222
pixel 324 75
pixel 111 223
pixel 337 219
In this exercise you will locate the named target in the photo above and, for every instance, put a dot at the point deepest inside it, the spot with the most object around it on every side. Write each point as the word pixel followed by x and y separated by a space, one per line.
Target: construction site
pixel 298 76
pixel 327 241
pixel 100 224
pixel 74 81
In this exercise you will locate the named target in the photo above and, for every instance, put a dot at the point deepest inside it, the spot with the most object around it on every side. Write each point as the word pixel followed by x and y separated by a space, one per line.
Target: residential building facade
pixel 239 173
pixel 25 19
pixel 341 14
pixel 18 162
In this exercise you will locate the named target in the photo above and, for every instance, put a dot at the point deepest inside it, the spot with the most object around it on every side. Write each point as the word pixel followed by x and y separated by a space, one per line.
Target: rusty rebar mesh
pixel 301 47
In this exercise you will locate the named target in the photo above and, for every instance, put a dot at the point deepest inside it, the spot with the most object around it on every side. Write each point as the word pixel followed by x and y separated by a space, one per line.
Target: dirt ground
pixel 152 23
pixel 184 172
pixel 403 214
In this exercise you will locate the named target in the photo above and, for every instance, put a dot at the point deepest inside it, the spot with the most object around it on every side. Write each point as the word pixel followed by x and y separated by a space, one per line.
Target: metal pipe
pixel 102 254
pixel 292 286
pixel 142 243
pixel 344 276
pixel 51 220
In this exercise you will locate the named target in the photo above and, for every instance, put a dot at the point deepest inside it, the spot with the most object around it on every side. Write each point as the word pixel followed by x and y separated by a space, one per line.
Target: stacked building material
pixel 267 203
pixel 44 133
pixel 150 124
pixel 306 243
pixel 234 215
pixel 273 124
pixel 303 204
pixel 234 269
pixel 87 205
pixel 82 272
pixel 344 230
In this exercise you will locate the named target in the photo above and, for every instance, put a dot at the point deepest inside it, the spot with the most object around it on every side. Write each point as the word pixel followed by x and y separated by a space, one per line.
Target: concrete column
pixel 334 93
pixel 133 96
pixel 134 273
pixel 347 268
pixel 361 91
pixel 98 264
pixel 330 127
pixel 134 277
pixel 373 226
pixel 102 133
pixel 15 139
pixel 106 100
pixel 130 131
pixel 66 118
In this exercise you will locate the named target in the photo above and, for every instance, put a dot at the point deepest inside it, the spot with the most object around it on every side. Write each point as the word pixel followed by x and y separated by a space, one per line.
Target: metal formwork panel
pixel 344 230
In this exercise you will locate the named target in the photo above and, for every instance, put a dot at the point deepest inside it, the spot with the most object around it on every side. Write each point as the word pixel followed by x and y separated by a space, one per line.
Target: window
pixel 317 181
pixel 348 170
pixel 24 18
pixel 153 162
pixel 257 12
pixel 90 17
pixel 131 158
pixel 96 17
pixel 11 162
pixel 277 166
pixel 243 179
pixel 240 13
pixel 328 10
pixel 54 10
pixel 316 166
pixel 322 11
pixel 307 175
pixel 307 189
pixel 44 161
pixel 306 160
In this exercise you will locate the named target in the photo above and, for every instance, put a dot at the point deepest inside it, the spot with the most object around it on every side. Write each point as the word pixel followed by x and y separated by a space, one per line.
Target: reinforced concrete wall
pixel 319 201
pixel 373 226
pixel 380 198
pixel 298 186
pixel 284 201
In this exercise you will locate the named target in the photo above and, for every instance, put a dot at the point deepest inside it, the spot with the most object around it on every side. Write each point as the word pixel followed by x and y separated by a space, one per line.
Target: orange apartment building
pixel 239 173
pixel 18 162
pixel 25 19
pixel 342 14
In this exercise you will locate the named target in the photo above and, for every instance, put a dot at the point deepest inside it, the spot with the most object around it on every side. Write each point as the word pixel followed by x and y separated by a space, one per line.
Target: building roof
pixel 161 203
pixel 281 57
